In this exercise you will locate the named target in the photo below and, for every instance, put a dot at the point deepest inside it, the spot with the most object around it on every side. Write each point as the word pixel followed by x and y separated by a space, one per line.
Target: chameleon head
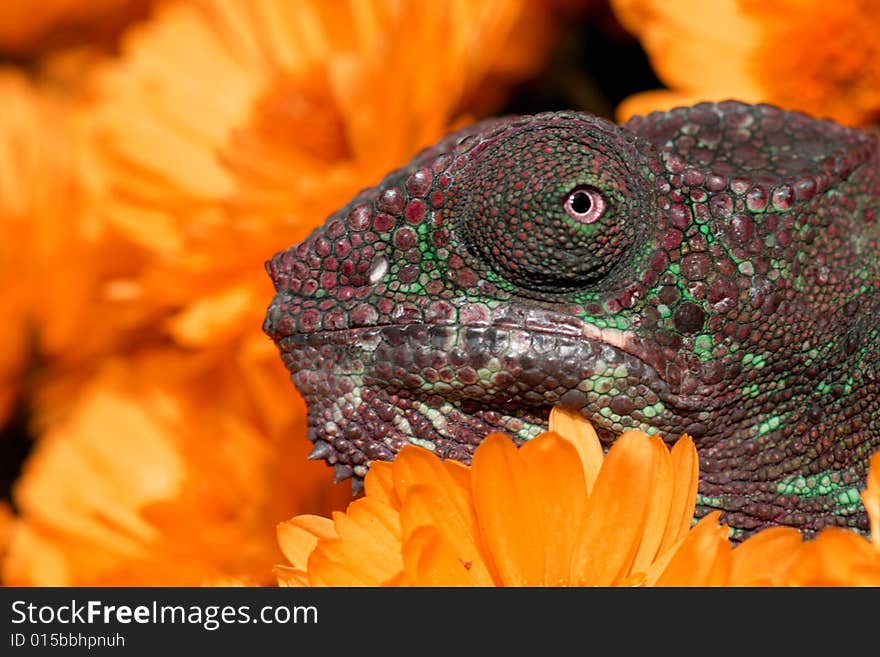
pixel 710 270
pixel 461 295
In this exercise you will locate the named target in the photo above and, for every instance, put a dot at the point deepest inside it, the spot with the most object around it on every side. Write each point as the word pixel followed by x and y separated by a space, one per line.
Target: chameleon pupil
pixel 580 202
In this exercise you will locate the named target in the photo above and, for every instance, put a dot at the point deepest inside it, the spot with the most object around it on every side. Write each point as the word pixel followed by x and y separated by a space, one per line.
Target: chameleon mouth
pixel 371 390
pixel 509 356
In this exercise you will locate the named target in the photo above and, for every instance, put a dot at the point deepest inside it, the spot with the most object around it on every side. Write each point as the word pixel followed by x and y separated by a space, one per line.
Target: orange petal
pixel 426 507
pixel 379 484
pixel 417 465
pixel 650 576
pixel 291 577
pixel 430 560
pixel 616 512
pixel 368 546
pixel 459 472
pixel 508 512
pixel 763 559
pixel 449 481
pixel 299 536
pixel 327 567
pixel 6 522
pixel 704 557
pixel 659 507
pixel 556 478
pixel 836 557
pixel 451 508
pixel 578 430
pixel 686 467
pixel 373 524
pixel 678 46
pixel 213 317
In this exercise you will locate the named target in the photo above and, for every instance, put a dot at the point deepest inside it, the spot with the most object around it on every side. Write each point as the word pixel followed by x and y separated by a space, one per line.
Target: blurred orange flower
pixel 293 112
pixel 818 57
pixel 553 512
pixel 26 26
pixel 66 295
pixel 148 483
pixel 213 163
pixel 23 162
pixel 35 181
pixel 190 172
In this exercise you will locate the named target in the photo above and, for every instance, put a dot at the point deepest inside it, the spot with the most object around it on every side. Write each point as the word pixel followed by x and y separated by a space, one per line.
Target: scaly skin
pixel 710 270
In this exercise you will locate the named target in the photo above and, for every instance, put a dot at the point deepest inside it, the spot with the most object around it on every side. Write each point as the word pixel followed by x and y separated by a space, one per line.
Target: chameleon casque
pixel 711 270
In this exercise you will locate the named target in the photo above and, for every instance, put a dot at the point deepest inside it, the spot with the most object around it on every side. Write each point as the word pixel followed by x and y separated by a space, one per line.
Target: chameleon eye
pixel 584 204
pixel 550 210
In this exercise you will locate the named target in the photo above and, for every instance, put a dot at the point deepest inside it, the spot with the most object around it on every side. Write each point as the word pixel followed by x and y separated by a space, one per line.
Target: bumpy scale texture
pixel 710 270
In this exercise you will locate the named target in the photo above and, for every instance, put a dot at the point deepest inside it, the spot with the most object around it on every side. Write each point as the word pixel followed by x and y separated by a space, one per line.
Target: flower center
pixel 299 113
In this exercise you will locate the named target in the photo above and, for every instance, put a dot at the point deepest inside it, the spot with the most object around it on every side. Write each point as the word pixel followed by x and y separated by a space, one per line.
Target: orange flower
pixel 36 175
pixel 188 188
pixel 26 170
pixel 65 287
pixel 838 557
pixel 26 26
pixel 148 483
pixel 552 512
pixel 296 107
pixel 818 57
pixel 765 558
pixel 191 172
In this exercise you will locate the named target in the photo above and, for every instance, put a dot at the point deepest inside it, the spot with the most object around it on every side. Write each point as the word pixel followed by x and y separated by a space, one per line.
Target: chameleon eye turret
pixel 553 210
pixel 712 270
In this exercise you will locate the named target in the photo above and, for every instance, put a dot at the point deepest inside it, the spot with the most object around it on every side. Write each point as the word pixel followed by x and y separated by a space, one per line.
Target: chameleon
pixel 709 270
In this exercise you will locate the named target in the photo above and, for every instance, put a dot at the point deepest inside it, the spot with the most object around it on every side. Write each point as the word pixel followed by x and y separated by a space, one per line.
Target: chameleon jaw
pixel 445 387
